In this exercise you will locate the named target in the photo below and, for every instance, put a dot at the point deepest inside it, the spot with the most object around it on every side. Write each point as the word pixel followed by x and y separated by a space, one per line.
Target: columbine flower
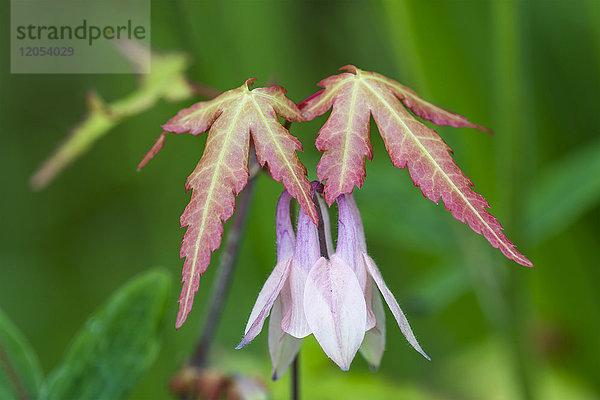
pixel 352 249
pixel 334 299
pixel 283 293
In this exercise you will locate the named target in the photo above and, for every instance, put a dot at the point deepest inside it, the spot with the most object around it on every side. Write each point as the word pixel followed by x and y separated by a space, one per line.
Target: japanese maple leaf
pixel 231 119
pixel 354 96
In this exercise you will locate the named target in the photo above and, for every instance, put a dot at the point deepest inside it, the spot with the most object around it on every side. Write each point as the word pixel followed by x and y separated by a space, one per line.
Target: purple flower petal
pixel 393 305
pixel 265 301
pixel 350 244
pixel 294 321
pixel 374 342
pixel 360 231
pixel 369 293
pixel 283 228
pixel 282 347
pixel 335 308
pixel 306 253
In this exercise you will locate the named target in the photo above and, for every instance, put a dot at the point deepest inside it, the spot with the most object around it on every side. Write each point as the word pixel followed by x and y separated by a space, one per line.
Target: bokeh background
pixel 529 70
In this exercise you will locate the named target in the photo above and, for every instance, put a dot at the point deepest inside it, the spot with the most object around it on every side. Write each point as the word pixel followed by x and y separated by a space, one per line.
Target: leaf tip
pixel 182 315
pixel 249 82
pixel 350 68
pixel 311 213
pixel 524 261
pixel 306 101
pixel 158 144
pixel 482 129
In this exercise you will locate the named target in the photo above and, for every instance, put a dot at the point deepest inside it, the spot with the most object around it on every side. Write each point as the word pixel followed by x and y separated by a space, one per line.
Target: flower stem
pixel 321 226
pixel 295 395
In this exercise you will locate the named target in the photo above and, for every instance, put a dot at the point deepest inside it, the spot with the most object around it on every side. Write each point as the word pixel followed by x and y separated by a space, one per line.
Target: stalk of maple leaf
pixel 354 96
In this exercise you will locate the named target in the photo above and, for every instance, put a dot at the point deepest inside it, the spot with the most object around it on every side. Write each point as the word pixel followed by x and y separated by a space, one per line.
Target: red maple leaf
pixel 354 96
pixel 233 117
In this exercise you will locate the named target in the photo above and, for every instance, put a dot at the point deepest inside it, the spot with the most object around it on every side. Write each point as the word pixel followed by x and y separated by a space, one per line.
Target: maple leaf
pixel 233 117
pixel 354 96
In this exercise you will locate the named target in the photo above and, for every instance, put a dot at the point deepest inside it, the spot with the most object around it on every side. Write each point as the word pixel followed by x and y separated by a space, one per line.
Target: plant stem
pixel 220 288
pixel 295 395
pixel 321 226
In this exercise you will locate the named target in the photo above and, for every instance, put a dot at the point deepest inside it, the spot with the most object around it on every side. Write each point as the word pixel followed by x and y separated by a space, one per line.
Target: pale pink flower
pixel 352 249
pixel 282 293
pixel 331 298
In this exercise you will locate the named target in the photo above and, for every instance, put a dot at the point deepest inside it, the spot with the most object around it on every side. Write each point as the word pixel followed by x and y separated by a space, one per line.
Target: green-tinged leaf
pixel 231 120
pixel 565 192
pixel 353 96
pixel 20 373
pixel 116 346
pixel 166 81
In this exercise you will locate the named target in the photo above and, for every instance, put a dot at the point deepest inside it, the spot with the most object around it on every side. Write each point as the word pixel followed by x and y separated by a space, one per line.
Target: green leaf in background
pixel 117 345
pixel 565 191
pixel 20 373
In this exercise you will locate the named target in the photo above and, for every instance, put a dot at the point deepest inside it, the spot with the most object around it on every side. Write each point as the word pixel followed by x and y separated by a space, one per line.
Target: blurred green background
pixel 529 70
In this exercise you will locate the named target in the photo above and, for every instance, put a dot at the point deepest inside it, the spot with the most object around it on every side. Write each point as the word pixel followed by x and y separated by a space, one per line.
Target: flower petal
pixel 360 231
pixel 282 347
pixel 294 321
pixel 307 250
pixel 369 293
pixel 306 253
pixel 393 305
pixel 374 342
pixel 347 243
pixel 265 301
pixel 283 228
pixel 335 308
pixel 350 245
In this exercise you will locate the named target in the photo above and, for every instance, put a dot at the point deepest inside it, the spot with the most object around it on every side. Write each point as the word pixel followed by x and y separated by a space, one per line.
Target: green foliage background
pixel 530 70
